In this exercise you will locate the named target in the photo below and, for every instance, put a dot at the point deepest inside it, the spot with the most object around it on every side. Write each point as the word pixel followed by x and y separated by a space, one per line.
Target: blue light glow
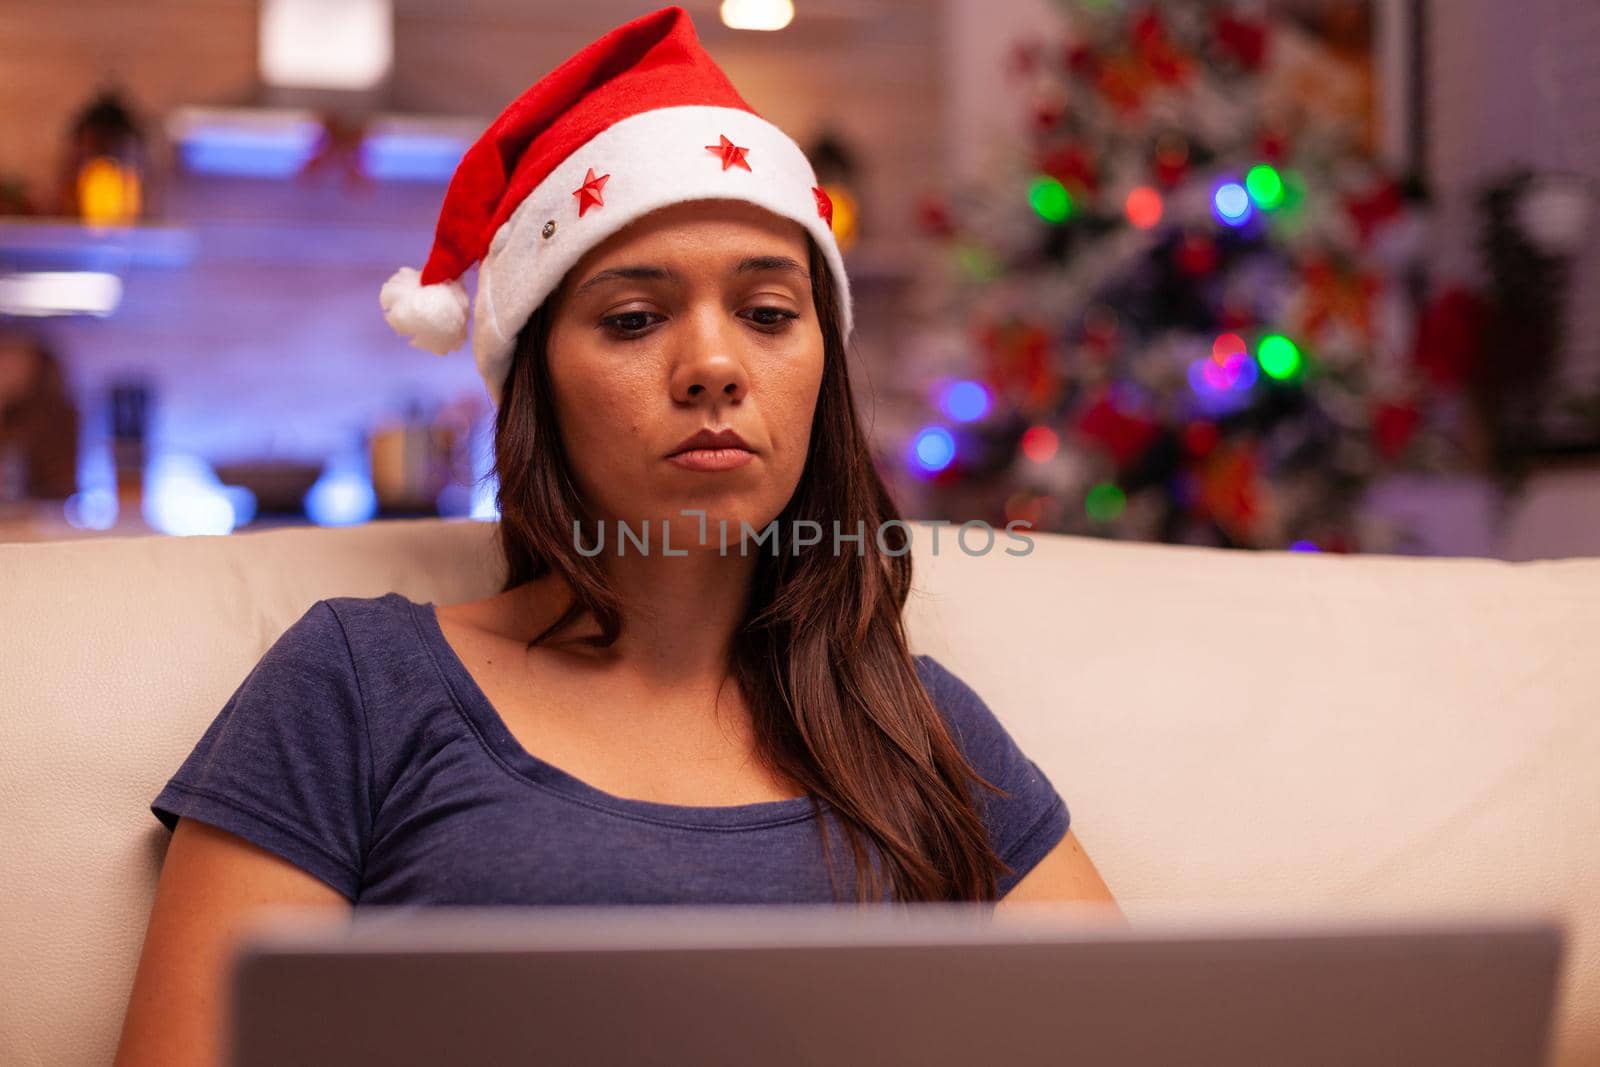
pixel 485 480
pixel 269 152
pixel 485 501
pixel 342 496
pixel 965 401
pixel 1232 203
pixel 91 509
pixel 933 449
pixel 411 156
pixel 94 506
pixel 1215 393
pixel 183 497
pixel 243 501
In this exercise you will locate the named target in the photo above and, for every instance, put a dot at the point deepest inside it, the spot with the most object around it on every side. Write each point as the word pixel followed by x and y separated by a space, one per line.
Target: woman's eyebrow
pixel 783 263
pixel 748 265
pixel 653 274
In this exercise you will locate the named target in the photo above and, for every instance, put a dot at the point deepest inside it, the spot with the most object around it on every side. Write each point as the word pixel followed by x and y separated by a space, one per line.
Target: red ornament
pixel 1121 85
pixel 1393 426
pixel 1124 436
pixel 1199 438
pixel 1272 146
pixel 732 155
pixel 1231 491
pixel 934 217
pixel 1196 255
pixel 1071 166
pixel 1171 161
pixel 1318 272
pixel 1450 336
pixel 824 204
pixel 1373 207
pixel 1243 39
pixel 1081 60
pixel 1017 362
pixel 1235 316
pixel 1100 332
pixel 1160 56
pixel 588 193
pixel 1148 29
pixel 1337 292
pixel 1169 65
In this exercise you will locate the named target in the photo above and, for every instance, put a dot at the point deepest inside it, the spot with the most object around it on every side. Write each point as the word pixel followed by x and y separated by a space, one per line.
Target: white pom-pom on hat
pixel 434 317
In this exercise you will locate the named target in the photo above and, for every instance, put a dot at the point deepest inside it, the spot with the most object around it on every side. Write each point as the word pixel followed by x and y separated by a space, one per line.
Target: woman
pixel 660 720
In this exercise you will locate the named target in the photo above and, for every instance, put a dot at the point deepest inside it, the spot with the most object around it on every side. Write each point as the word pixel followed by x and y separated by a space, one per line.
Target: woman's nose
pixel 708 364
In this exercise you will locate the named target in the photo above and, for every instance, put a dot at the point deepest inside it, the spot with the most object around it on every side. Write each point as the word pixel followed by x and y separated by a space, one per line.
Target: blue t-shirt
pixel 360 749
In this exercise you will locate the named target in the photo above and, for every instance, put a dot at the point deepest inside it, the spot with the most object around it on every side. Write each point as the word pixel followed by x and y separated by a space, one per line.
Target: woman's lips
pixel 712 459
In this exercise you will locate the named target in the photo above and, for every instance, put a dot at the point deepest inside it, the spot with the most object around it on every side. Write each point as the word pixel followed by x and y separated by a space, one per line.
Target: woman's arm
pixel 1065 874
pixel 211 882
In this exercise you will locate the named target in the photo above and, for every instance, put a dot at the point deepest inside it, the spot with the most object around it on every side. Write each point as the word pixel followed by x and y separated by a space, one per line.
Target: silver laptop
pixel 931 985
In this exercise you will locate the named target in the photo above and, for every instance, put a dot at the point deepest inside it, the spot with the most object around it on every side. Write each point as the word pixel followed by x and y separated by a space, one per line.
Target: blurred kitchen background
pixel 1317 275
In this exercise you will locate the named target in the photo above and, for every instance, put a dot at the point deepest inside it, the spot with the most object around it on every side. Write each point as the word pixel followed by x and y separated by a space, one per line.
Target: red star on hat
pixel 588 193
pixel 824 204
pixel 732 154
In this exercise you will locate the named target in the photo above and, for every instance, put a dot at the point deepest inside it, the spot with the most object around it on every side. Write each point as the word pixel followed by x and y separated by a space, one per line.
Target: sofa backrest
pixel 1229 729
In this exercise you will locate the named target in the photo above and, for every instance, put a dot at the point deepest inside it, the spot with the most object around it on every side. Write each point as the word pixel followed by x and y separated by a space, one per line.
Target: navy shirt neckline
pixel 475 704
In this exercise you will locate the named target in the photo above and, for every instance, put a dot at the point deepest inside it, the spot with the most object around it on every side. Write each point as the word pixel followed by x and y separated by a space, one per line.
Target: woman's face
pixel 697 316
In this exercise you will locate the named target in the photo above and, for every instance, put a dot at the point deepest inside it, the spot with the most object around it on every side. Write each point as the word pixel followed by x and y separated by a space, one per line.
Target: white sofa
pixel 1269 730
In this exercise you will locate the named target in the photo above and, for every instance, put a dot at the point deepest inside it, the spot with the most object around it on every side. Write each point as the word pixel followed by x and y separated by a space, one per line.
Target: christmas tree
pixel 1183 310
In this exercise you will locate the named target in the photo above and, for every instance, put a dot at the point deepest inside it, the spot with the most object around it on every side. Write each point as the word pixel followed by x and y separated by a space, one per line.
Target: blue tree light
pixel 933 449
pixel 965 401
pixel 1232 205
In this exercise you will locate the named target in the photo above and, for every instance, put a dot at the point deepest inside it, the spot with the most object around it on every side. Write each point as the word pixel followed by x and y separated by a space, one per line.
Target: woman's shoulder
pixel 949 691
pixel 382 609
pixel 345 635
pixel 973 725
pixel 1030 815
pixel 377 624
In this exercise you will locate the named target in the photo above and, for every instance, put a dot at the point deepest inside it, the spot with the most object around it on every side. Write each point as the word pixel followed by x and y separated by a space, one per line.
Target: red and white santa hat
pixel 637 120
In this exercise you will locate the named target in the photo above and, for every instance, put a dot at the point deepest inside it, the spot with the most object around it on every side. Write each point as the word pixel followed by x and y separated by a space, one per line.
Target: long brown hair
pixel 821 658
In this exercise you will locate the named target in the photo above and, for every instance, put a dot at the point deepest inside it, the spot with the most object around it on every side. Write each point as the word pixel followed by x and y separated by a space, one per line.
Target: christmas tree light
pixel 933 449
pixel 1104 502
pixel 965 401
pixel 1050 199
pixel 1039 443
pixel 1231 202
pixel 1265 186
pixel 1144 207
pixel 1278 356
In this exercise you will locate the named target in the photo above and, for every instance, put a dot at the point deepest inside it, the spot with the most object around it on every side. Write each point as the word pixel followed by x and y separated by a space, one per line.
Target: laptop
pixel 926 984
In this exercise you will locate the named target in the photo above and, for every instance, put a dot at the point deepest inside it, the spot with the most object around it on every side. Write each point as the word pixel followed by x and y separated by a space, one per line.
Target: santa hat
pixel 637 120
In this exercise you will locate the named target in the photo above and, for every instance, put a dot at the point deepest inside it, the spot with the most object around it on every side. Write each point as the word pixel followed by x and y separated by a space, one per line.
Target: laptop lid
pixel 933 985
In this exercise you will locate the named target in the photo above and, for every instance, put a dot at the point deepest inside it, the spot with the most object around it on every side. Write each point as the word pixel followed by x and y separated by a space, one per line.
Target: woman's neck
pixel 680 613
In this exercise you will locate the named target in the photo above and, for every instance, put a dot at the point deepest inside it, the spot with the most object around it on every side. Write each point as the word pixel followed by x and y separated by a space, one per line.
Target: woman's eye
pixel 772 317
pixel 628 322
